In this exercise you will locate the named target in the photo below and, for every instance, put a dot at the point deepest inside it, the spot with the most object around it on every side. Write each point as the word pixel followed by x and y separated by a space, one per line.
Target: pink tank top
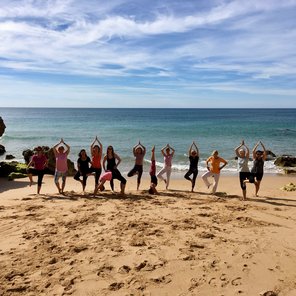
pixel 61 162
pixel 168 160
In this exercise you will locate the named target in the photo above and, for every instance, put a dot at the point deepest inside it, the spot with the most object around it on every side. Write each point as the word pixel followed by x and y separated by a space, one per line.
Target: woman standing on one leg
pixel 111 157
pixel 96 154
pixel 258 166
pixel 83 163
pixel 193 169
pixel 243 153
pixel 61 164
pixel 39 163
pixel 214 169
pixel 167 168
pixel 139 152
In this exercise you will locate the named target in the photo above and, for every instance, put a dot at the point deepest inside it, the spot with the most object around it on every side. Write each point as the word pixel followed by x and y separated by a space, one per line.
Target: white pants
pixel 216 178
pixel 167 170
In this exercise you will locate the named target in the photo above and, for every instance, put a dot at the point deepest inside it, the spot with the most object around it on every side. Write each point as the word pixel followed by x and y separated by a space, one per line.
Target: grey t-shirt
pixel 242 165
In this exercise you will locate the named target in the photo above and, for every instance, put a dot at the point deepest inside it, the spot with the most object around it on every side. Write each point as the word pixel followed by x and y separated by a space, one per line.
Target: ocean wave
pixel 23 138
pixel 231 167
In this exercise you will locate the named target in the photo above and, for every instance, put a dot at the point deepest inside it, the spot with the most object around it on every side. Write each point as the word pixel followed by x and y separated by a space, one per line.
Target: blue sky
pixel 148 53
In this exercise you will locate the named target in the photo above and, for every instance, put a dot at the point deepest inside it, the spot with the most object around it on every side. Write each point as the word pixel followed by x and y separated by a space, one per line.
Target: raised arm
pixel 247 152
pixel 255 149
pixel 143 148
pixel 197 150
pixel 173 150
pixel 92 145
pixel 163 148
pixel 67 146
pixel 193 147
pixel 264 151
pixel 55 147
pixel 101 146
pixel 238 148
pixel 134 149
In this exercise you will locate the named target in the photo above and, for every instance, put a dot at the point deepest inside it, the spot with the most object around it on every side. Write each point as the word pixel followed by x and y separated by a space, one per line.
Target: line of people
pixel 93 166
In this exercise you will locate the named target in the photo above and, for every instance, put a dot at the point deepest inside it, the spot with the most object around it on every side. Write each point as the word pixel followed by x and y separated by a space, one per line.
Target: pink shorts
pixel 107 176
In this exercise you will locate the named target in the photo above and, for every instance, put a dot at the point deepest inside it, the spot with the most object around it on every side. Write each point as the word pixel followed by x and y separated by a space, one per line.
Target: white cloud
pixel 82 38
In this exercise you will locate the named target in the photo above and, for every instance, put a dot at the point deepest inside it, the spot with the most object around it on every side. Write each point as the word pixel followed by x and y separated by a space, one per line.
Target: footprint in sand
pixel 116 286
pixel 105 269
pixel 124 269
pixel 165 279
pixel 236 281
pixel 213 282
pixel 224 280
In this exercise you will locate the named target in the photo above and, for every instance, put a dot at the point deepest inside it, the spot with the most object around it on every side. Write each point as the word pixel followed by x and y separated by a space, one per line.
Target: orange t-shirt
pixel 215 164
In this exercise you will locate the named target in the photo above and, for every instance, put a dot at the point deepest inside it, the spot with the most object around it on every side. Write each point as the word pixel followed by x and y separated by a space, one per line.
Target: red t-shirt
pixel 39 161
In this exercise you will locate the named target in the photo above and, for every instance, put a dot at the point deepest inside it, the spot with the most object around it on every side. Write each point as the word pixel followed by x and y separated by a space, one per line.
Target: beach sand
pixel 175 243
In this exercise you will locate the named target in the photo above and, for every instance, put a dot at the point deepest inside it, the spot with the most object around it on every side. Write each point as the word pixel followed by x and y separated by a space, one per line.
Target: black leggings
pixel 84 177
pixel 242 177
pixel 98 172
pixel 136 169
pixel 190 172
pixel 116 175
pixel 38 173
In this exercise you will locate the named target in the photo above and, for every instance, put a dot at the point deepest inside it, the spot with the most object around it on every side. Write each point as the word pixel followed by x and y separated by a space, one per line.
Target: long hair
pixel 112 150
pixel 80 153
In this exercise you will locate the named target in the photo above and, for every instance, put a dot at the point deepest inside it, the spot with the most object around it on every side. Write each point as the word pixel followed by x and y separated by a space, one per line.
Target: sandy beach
pixel 175 243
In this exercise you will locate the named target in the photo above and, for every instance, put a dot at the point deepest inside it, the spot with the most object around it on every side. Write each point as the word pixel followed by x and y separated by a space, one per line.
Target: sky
pixel 148 53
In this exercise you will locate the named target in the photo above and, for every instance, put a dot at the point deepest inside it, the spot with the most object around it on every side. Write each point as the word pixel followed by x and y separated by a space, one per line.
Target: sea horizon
pixel 219 129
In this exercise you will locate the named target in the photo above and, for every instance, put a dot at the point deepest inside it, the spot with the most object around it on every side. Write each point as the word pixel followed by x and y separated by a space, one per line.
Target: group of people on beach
pixel 87 166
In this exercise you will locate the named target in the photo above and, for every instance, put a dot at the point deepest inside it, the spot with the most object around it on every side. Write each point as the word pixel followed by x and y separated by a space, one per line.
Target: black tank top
pixel 193 162
pixel 258 165
pixel 111 163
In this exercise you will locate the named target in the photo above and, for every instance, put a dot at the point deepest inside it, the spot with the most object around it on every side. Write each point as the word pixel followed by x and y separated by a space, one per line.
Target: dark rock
pixel 9 157
pixel 287 162
pixel 6 168
pixel 2 150
pixel 27 154
pixel 2 127
pixel 14 175
pixel 270 155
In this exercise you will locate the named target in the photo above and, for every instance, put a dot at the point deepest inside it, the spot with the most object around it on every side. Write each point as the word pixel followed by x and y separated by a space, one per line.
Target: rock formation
pixel 2 127
pixel 287 162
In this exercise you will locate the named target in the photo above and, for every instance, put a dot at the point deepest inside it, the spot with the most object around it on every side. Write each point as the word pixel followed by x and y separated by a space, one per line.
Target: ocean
pixel 211 129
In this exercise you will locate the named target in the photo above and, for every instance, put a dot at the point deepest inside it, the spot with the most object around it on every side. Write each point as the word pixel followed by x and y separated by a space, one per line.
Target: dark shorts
pixel 255 177
pixel 242 177
pixel 154 180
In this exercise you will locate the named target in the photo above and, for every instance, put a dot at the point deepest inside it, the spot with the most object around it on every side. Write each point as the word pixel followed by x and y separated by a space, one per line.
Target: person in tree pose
pixel 96 149
pixel 243 153
pixel 83 165
pixel 257 170
pixel 168 154
pixel 61 170
pixel 193 153
pixel 139 152
pixel 37 166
